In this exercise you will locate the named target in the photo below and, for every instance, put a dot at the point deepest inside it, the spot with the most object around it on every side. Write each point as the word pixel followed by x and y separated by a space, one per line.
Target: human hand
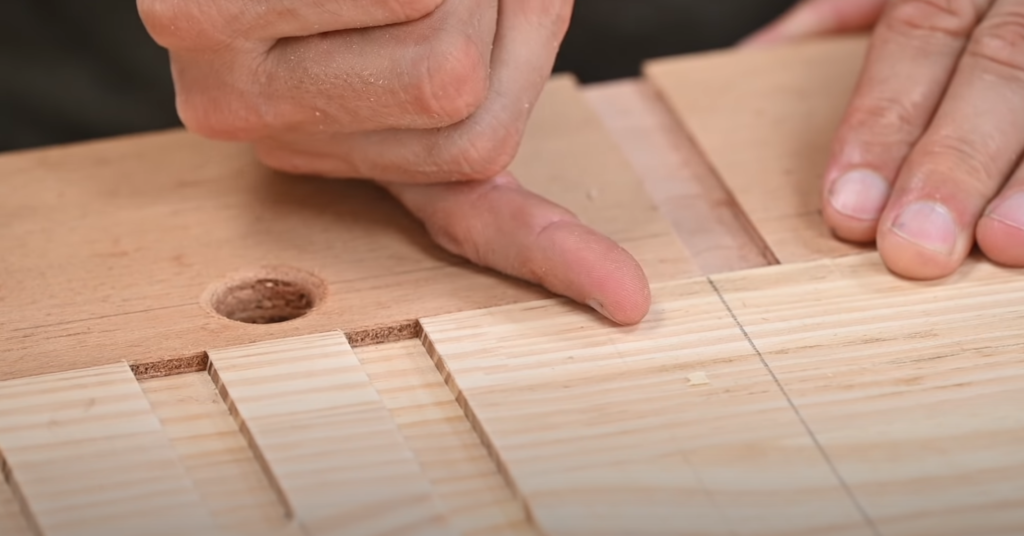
pixel 927 160
pixel 428 97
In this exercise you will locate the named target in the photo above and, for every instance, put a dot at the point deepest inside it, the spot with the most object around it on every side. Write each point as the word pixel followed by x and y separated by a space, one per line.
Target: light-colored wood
pixel 469 489
pixel 766 119
pixel 321 431
pixel 12 520
pixel 217 457
pixel 600 431
pixel 703 213
pixel 87 457
pixel 915 390
pixel 112 244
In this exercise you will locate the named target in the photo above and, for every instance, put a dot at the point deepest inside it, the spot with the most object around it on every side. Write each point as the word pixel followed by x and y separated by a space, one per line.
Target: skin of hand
pixel 927 159
pixel 429 98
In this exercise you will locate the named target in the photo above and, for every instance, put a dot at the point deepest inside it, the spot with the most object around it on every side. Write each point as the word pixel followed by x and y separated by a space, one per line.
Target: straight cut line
pixel 824 454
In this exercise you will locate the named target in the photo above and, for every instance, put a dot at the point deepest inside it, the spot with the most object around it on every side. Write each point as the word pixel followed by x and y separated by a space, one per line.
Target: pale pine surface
pixel 217 457
pixel 601 434
pixel 329 444
pixel 89 457
pixel 467 485
pixel 916 390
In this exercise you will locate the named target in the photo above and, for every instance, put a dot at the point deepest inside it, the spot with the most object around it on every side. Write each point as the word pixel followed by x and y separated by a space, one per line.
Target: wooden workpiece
pixel 325 438
pixel 84 454
pixel 766 119
pixel 136 231
pixel 821 397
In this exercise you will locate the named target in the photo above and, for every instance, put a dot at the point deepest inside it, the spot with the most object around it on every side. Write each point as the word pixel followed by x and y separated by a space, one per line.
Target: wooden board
pixel 704 214
pixel 601 432
pixel 327 442
pixel 915 390
pixel 467 486
pixel 765 119
pixel 85 455
pixel 838 400
pixel 110 246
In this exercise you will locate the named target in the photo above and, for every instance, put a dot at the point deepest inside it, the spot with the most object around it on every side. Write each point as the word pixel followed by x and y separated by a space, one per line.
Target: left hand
pixel 927 160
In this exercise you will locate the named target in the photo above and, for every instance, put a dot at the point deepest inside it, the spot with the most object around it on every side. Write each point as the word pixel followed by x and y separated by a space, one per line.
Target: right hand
pixel 428 97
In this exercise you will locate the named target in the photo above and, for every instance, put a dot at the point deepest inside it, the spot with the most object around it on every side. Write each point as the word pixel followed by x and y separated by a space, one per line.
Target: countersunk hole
pixel 268 295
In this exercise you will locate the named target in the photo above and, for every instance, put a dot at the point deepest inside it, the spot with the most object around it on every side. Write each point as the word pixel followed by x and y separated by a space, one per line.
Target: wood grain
pixel 706 218
pixel 765 119
pixel 12 519
pixel 86 456
pixel 915 390
pixel 322 433
pixel 111 244
pixel 217 457
pixel 599 431
pixel 466 483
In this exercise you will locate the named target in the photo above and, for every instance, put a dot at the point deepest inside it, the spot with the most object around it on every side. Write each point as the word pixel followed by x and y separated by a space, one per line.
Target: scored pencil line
pixel 821 449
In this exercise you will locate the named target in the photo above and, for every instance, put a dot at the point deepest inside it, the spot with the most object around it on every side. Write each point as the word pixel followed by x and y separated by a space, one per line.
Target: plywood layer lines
pixel 111 246
pixel 765 119
pixel 829 398
pixel 326 439
pixel 86 456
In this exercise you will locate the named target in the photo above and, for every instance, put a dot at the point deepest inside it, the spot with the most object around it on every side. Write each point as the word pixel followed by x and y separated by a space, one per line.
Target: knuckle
pixel 481 157
pixel 952 159
pixel 452 84
pixel 949 18
pixel 890 121
pixel 1000 41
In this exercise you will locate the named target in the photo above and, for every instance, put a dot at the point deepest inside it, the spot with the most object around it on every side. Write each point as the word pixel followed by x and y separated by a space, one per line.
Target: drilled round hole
pixel 266 296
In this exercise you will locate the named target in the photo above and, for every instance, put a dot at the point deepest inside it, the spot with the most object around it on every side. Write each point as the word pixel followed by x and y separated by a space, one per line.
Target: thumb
pixel 500 225
pixel 811 18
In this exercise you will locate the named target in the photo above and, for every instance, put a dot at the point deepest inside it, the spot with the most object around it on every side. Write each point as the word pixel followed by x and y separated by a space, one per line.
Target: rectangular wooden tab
pixel 87 457
pixel 325 438
pixel 670 427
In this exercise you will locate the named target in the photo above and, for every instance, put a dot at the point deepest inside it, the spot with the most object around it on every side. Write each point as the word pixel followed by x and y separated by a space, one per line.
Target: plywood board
pixel 915 390
pixel 765 119
pixel 322 433
pixel 610 431
pixel 111 245
pixel 86 456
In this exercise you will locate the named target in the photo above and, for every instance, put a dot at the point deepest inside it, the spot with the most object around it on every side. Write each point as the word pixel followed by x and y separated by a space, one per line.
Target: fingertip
pixel 1001 242
pixel 912 260
pixel 854 202
pixel 580 263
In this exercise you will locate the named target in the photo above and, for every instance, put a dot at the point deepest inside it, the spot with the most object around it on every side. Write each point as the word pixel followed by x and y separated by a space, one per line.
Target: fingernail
pixel 929 225
pixel 1010 211
pixel 860 194
pixel 597 306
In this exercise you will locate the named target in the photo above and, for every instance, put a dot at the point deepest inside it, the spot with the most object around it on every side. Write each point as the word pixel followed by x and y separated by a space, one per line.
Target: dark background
pixel 72 70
